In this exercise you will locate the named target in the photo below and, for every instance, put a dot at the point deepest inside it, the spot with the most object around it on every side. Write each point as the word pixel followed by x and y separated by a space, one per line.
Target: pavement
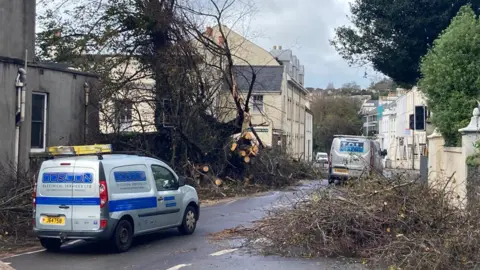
pixel 168 250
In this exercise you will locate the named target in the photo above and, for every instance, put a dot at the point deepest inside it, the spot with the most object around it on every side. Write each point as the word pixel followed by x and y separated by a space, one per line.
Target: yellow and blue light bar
pixel 80 149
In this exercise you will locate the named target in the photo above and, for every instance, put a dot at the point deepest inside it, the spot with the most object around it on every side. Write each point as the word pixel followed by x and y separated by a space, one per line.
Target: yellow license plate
pixel 53 220
pixel 340 170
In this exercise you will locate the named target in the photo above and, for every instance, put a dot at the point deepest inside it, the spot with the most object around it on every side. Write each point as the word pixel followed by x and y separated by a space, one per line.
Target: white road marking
pixel 231 202
pixel 26 253
pixel 176 267
pixel 41 250
pixel 7 263
pixel 222 252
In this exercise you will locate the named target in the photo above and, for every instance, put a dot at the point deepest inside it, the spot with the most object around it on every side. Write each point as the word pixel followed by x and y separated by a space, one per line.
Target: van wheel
pixel 123 236
pixel 331 180
pixel 51 244
pixel 189 222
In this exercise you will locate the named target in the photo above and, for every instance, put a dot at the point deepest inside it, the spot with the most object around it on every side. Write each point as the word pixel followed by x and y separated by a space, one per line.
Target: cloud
pixel 306 26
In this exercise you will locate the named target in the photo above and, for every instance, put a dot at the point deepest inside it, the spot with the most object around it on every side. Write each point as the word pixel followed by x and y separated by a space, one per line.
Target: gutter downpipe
pixel 86 88
pixel 20 83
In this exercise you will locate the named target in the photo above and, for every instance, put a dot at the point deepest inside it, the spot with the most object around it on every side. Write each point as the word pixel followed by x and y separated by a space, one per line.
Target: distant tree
pixel 451 78
pixel 350 88
pixel 334 116
pixel 394 35
pixel 385 84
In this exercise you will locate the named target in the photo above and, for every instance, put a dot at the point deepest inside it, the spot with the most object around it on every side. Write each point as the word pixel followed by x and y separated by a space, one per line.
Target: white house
pixel 402 143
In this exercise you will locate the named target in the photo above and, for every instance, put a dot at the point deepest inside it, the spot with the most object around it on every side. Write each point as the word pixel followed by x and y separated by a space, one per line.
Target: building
pixel 46 106
pixel 404 145
pixel 131 109
pixel 279 99
pixel 279 105
pixel 368 111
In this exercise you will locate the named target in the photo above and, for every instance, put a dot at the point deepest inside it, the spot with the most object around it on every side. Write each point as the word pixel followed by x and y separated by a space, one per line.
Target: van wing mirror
pixel 383 152
pixel 181 181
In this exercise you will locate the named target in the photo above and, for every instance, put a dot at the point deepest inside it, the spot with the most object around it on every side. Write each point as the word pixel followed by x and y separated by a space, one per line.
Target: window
pixel 39 122
pixel 123 114
pixel 164 179
pixel 257 103
pixel 289 111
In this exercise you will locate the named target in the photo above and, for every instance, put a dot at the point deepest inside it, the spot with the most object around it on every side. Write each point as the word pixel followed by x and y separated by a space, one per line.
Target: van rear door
pixel 85 194
pixel 352 154
pixel 54 195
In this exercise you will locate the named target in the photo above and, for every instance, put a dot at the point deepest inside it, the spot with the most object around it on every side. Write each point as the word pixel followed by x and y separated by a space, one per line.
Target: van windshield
pixel 352 146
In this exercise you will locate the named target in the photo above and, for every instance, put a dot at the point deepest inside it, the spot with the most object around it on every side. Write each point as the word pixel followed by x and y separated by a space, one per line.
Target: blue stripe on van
pixel 132 204
pixel 172 204
pixel 67 178
pixel 67 201
pixel 130 176
pixel 169 198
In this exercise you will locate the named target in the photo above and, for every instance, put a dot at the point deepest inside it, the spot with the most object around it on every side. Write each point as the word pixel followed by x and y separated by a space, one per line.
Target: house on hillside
pixel 47 105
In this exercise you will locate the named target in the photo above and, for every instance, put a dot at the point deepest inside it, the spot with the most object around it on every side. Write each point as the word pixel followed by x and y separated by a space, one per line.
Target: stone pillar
pixel 435 151
pixel 470 135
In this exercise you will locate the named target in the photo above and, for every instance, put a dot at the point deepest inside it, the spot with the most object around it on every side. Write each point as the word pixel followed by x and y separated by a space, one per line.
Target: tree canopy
pixel 157 57
pixel 394 35
pixel 451 75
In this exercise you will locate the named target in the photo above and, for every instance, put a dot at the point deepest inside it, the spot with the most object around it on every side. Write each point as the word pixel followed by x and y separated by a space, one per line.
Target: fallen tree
pixel 399 224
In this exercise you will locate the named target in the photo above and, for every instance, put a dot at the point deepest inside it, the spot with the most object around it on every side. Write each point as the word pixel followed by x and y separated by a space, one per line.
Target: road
pixel 169 250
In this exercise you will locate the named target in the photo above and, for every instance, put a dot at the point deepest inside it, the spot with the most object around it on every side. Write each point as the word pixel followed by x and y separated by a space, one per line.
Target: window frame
pixel 45 119
pixel 124 107
pixel 258 109
pixel 175 177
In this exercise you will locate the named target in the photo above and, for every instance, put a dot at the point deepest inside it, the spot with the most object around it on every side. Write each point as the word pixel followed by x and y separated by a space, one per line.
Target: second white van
pixel 352 156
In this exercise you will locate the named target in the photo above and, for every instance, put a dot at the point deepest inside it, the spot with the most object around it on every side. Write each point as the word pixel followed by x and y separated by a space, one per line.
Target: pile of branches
pixel 16 188
pixel 385 222
pixel 268 169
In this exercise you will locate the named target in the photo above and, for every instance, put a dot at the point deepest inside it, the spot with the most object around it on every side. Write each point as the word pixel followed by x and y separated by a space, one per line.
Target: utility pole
pixel 367 125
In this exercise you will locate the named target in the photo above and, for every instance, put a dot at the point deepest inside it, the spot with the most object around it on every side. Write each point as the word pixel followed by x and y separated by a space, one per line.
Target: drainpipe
pixel 86 89
pixel 20 83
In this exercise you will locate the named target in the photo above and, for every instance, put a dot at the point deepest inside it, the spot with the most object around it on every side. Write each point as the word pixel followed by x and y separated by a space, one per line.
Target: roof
pixel 46 65
pixel 371 101
pixel 268 78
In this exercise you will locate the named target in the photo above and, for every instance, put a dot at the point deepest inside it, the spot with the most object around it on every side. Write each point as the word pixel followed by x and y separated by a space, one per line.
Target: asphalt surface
pixel 169 250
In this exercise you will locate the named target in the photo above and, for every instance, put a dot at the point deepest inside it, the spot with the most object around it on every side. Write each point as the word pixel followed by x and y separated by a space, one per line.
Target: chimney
pixel 221 41
pixel 275 47
pixel 279 47
pixel 209 31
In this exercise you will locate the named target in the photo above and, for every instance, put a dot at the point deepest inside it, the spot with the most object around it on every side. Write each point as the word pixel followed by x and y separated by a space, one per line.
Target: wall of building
pixel 17 20
pixel 243 50
pixel 395 125
pixel 295 100
pixel 65 120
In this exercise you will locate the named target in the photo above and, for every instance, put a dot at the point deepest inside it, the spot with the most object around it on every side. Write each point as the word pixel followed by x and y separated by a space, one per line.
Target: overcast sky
pixel 306 26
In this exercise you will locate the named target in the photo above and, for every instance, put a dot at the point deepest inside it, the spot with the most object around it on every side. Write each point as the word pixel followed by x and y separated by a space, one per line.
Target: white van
pixel 112 197
pixel 350 156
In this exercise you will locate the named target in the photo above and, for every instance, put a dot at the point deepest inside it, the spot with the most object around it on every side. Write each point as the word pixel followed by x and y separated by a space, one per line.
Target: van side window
pixel 164 179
